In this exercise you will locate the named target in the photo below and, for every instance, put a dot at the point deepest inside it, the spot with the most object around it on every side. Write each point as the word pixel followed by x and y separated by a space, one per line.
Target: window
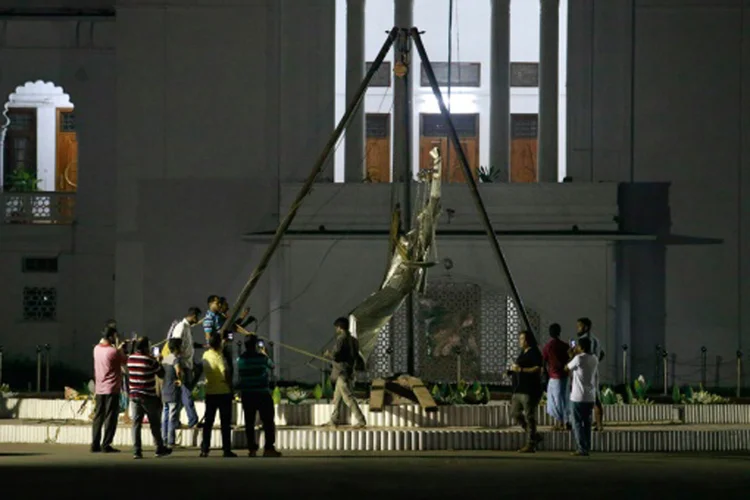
pixel 524 74
pixel 462 74
pixel 68 121
pixel 39 265
pixel 382 77
pixel 435 126
pixel 39 304
pixel 377 126
pixel 524 126
pixel 20 144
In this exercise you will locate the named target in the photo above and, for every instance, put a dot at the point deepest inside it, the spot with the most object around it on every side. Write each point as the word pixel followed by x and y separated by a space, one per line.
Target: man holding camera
pixel 583 327
pixel 109 359
pixel 584 369
pixel 253 368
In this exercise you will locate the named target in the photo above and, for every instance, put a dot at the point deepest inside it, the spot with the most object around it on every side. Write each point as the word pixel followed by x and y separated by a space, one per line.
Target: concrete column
pixel 402 97
pixel 354 152
pixel 549 93
pixel 579 90
pixel 500 89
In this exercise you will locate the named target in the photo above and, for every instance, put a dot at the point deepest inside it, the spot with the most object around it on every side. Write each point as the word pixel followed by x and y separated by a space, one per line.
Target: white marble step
pixel 640 439
pixel 494 415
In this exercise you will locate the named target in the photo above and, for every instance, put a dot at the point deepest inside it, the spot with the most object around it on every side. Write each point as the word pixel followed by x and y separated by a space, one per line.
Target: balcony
pixel 43 207
pixel 533 211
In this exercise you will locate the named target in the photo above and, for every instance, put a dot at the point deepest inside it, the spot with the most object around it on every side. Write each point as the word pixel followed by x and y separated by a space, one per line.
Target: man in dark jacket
pixel 527 388
pixel 345 356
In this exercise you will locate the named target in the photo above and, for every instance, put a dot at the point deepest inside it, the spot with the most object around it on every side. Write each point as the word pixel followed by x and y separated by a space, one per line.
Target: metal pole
pixel 717 380
pixel 657 362
pixel 704 366
pixel 739 374
pixel 1 365
pixel 458 366
pixel 470 181
pixel 625 363
pixel 665 367
pixel 46 362
pixel 307 187
pixel 39 369
pixel 404 57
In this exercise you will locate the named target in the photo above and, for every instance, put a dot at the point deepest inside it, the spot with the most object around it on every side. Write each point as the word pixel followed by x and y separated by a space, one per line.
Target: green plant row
pixel 461 393
pixel 637 395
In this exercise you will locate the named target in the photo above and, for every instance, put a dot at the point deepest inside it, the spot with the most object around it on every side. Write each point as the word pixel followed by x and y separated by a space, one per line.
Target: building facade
pixel 195 122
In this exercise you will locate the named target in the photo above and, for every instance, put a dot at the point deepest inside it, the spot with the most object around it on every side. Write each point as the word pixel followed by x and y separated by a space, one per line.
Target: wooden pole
pixel 307 187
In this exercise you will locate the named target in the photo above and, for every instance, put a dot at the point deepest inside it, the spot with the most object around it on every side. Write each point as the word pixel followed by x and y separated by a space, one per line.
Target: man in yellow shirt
pixel 218 397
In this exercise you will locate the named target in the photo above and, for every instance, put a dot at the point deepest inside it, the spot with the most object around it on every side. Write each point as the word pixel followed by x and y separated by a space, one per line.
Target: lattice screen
pixel 451 320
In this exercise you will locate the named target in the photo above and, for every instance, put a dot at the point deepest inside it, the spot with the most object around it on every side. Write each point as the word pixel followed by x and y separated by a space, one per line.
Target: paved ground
pixel 54 471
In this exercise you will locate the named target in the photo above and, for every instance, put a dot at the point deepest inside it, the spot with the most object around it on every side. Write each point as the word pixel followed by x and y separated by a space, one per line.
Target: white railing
pixel 38 208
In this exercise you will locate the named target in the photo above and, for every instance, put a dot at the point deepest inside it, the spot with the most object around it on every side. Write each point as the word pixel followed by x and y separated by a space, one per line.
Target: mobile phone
pixel 155 352
pixel 261 344
pixel 572 343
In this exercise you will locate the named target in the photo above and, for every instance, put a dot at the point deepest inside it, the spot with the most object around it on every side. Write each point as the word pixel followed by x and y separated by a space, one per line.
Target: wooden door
pixel 470 145
pixel 523 147
pixel 378 147
pixel 20 147
pixel 434 133
pixel 66 174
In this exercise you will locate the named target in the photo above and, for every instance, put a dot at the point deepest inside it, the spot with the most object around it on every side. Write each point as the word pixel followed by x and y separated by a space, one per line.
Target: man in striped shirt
pixel 213 321
pixel 253 369
pixel 143 370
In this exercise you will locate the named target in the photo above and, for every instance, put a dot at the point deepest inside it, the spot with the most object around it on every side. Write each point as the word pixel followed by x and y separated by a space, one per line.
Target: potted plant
pixel 22 180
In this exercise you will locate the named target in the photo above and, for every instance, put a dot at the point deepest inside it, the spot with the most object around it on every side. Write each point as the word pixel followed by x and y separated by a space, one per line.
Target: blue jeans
pixel 187 398
pixel 582 426
pixel 558 396
pixel 170 421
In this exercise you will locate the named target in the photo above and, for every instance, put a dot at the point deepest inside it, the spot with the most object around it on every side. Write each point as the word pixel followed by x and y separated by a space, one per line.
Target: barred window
pixel 462 74
pixel 524 74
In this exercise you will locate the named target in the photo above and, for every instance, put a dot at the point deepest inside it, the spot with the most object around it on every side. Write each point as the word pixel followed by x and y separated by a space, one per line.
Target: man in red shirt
pixel 555 355
pixel 108 361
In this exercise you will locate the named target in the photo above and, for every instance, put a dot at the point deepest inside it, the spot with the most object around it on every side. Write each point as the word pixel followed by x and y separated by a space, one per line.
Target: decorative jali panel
pixel 494 345
pixel 453 319
pixel 40 303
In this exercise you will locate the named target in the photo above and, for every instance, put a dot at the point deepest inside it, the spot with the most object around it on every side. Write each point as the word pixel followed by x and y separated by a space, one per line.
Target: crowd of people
pixel 572 370
pixel 159 383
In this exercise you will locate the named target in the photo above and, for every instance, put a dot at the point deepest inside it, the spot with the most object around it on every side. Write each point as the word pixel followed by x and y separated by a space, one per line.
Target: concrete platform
pixel 493 415
pixel 651 438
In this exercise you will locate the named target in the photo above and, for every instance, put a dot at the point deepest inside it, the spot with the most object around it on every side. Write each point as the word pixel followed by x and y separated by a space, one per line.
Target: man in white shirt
pixel 584 371
pixel 183 330
pixel 583 327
